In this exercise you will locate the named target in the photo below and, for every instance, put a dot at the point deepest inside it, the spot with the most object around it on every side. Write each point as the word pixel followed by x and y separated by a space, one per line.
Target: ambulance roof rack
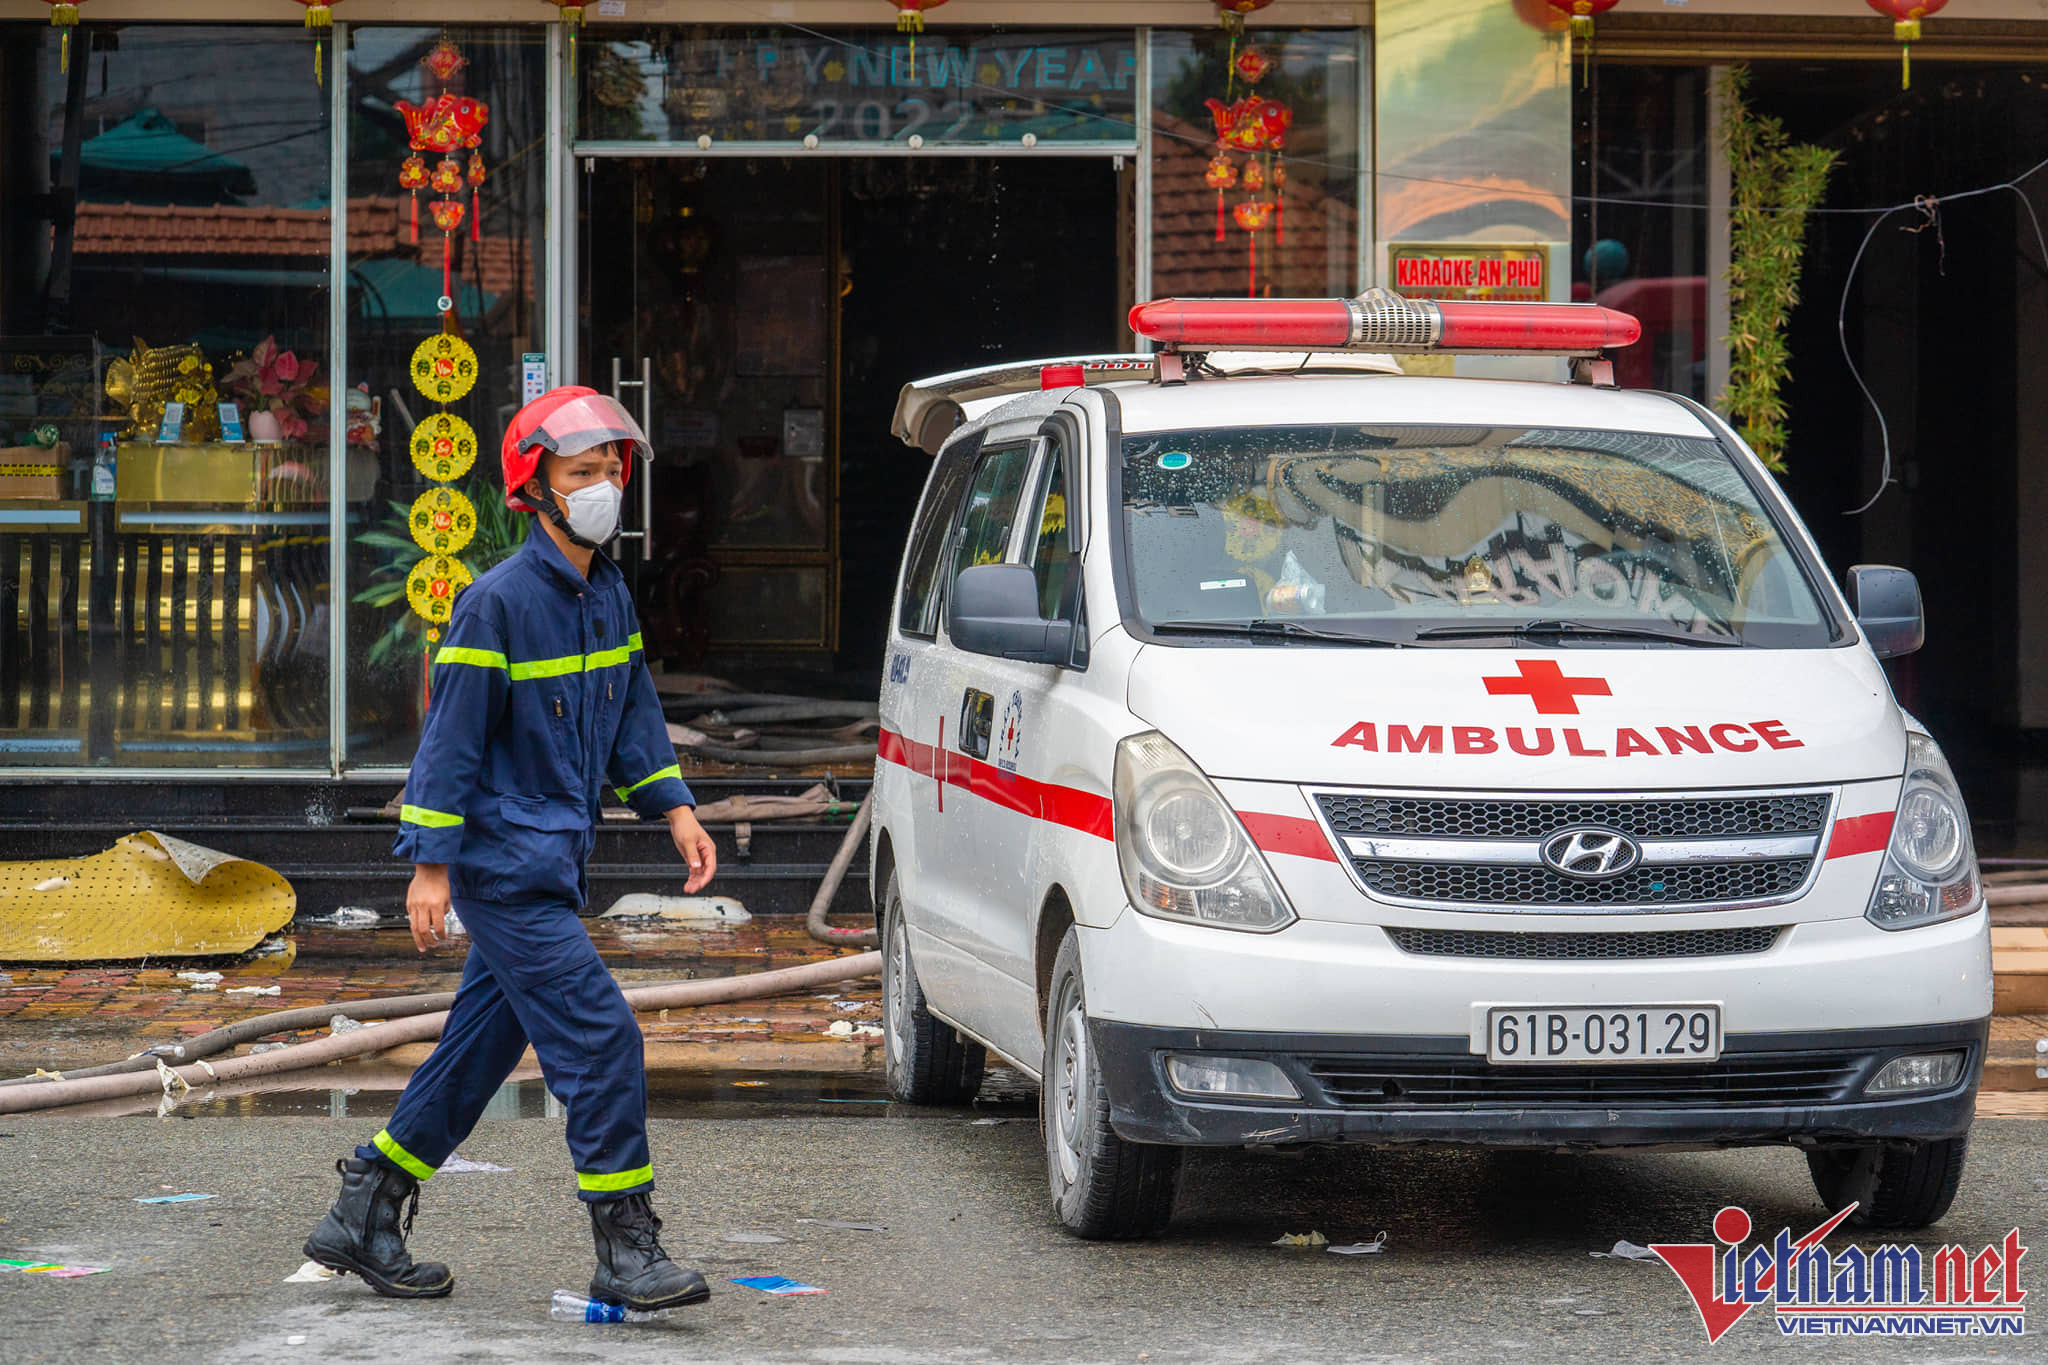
pixel 1379 320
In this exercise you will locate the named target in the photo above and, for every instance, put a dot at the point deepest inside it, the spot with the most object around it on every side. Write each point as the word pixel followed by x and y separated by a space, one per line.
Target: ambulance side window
pixel 917 614
pixel 991 511
pixel 1052 553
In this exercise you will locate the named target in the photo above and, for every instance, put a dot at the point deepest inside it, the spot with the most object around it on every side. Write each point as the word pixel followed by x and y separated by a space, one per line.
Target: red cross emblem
pixel 1544 683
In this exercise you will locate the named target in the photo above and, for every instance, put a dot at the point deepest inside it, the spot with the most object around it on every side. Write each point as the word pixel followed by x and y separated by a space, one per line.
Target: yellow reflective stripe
pixel 481 658
pixel 547 668
pixel 576 663
pixel 674 770
pixel 405 1160
pixel 618 1180
pixel 432 819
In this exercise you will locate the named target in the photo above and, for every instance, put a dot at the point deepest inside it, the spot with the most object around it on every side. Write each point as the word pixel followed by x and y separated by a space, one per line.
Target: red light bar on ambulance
pixel 1381 321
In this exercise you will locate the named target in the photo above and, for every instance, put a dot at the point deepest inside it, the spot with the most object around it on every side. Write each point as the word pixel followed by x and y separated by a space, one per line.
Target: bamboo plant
pixel 1776 184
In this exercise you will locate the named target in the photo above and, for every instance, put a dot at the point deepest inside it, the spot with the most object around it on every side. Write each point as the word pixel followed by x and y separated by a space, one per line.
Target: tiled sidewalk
pixel 58 1017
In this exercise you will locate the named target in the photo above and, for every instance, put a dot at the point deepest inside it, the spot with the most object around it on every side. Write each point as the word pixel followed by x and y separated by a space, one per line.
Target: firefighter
pixel 541 698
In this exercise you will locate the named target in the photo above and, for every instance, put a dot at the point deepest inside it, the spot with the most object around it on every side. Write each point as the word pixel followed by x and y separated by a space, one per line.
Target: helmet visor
pixel 585 423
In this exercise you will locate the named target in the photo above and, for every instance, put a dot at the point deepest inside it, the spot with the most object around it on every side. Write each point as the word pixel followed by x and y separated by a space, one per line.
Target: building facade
pixel 265 314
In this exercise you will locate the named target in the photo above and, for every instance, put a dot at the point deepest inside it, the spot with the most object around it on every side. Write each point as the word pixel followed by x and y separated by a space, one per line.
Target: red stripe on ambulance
pixel 1287 834
pixel 1069 807
pixel 1862 834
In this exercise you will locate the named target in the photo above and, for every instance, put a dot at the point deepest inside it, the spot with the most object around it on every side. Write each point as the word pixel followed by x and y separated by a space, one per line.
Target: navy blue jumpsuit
pixel 541 698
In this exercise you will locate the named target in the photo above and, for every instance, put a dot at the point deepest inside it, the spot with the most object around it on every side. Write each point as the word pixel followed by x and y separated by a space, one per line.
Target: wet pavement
pixel 74 1016
pixel 1487 1255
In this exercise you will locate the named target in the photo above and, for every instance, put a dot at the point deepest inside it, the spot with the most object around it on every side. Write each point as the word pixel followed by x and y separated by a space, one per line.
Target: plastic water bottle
pixel 569 1307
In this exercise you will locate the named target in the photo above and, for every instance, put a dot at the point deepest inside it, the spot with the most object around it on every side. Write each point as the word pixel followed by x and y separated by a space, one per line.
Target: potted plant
pixel 276 391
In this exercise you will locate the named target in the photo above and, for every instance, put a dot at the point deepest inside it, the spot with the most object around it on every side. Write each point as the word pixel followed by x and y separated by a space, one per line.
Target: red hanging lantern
pixel 1582 13
pixel 476 196
pixel 1251 65
pixel 319 18
pixel 413 176
pixel 1251 216
pixel 64 18
pixel 1233 13
pixel 1906 16
pixel 910 20
pixel 1221 175
pixel 572 19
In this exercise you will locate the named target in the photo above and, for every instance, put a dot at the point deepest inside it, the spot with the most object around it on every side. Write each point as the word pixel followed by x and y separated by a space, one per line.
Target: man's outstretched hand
pixel 695 846
pixel 426 903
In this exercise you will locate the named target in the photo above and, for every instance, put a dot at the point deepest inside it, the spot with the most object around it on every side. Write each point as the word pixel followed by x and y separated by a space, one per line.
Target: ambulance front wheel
pixel 1895 1185
pixel 924 1060
pixel 1103 1187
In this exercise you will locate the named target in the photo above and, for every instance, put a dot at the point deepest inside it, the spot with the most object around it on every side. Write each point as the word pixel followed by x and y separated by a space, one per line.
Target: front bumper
pixel 1802 1088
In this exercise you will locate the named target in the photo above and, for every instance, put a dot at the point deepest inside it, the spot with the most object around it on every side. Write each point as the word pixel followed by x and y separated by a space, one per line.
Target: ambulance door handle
pixel 645 383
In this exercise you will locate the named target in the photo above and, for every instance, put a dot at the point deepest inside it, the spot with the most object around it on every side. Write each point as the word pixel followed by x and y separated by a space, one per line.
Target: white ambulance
pixel 1281 749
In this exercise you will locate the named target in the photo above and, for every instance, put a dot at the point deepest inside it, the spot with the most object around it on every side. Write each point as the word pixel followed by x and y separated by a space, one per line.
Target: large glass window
pixel 460 113
pixel 1639 223
pixel 1418 534
pixel 1255 163
pixel 164 398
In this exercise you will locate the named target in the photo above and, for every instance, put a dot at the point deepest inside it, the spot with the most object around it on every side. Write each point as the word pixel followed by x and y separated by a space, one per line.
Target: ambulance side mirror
pixel 1887 606
pixel 993 609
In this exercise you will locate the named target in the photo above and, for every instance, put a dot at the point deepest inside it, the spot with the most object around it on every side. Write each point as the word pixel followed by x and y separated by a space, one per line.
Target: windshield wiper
pixel 1272 630
pixel 1536 630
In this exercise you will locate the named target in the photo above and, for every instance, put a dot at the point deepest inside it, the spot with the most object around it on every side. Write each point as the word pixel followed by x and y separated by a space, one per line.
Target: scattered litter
pixel 840 1029
pixel 568 1307
pixel 42 1075
pixel 1303 1239
pixel 1377 1244
pixel 754 1238
pixel 1626 1251
pixel 254 990
pixel 348 917
pixel 855 1004
pixel 776 1284
pixel 750 1085
pixel 295 1339
pixel 452 923
pixel 459 1165
pixel 201 981
pixel 53 884
pixel 267 1047
pixel 2041 1045
pixel 850 1227
pixel 312 1272
pixel 176 1198
pixel 679 909
pixel 274 947
pixel 341 1023
pixel 1591 1313
pixel 53 1269
pixel 985 1123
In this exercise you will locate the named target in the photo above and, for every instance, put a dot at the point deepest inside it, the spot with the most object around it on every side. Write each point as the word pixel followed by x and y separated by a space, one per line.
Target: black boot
pixel 362 1233
pixel 632 1269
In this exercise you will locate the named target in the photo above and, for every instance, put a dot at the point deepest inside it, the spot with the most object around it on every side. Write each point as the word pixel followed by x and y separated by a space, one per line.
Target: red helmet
pixel 566 421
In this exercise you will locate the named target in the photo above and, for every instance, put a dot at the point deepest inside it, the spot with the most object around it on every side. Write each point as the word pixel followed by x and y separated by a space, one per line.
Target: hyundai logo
pixel 1590 853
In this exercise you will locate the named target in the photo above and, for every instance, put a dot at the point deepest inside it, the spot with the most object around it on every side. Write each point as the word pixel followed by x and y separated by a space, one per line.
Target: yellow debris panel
pixel 148 896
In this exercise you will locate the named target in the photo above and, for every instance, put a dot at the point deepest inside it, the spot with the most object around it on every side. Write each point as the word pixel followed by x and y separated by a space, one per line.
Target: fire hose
pixel 49 1094
pixel 834 875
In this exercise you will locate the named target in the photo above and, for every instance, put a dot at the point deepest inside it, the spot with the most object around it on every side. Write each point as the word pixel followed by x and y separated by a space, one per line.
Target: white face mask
pixel 592 512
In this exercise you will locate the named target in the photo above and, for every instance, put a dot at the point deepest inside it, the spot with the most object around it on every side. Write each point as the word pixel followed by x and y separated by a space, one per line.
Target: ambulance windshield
pixel 1434 534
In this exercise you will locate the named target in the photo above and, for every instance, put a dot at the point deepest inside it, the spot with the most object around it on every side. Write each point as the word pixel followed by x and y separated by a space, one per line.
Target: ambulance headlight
pixel 1183 852
pixel 1930 869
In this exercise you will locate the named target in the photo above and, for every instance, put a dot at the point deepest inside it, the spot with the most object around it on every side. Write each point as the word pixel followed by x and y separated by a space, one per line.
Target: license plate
pixel 1525 1034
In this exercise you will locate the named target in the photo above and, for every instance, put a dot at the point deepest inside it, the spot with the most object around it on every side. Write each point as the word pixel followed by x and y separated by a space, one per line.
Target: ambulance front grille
pixel 1702 817
pixel 1507 884
pixel 1654 943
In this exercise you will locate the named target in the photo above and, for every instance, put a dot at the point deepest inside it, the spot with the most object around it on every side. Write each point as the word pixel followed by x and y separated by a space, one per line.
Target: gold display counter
pixel 219 472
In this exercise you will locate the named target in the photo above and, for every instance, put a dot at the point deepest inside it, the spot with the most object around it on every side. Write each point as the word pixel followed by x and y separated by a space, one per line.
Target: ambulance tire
pixel 1103 1188
pixel 1896 1185
pixel 923 1059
